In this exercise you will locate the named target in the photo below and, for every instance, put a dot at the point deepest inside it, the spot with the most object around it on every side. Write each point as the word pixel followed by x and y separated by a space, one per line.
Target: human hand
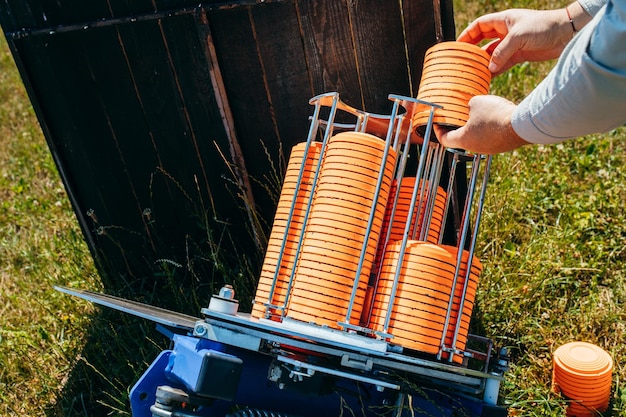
pixel 520 35
pixel 488 129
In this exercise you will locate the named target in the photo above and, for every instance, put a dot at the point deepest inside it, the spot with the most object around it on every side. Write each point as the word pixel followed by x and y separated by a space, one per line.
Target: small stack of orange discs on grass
pixel 582 372
pixel 336 231
pixel 453 73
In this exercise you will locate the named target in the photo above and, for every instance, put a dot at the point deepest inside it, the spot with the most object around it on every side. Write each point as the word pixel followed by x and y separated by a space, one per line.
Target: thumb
pixel 448 138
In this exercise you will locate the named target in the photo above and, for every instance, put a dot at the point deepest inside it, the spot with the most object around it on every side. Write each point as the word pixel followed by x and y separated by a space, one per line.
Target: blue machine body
pixel 185 367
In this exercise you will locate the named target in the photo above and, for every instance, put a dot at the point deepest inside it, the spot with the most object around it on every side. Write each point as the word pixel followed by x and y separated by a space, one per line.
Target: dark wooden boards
pixel 170 121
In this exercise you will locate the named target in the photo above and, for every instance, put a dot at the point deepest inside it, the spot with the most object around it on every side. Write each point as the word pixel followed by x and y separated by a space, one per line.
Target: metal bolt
pixel 227 291
pixel 199 330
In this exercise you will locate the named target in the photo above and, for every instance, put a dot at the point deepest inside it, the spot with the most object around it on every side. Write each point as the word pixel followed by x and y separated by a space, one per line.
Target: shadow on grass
pixel 117 351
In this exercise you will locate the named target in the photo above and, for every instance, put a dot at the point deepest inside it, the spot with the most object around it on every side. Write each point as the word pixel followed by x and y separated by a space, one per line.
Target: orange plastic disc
pixel 351 231
pixel 337 275
pixel 464 64
pixel 414 265
pixel 322 287
pixel 351 186
pixel 349 153
pixel 337 246
pixel 337 296
pixel 449 73
pixel 470 60
pixel 412 312
pixel 340 199
pixel 418 326
pixel 334 252
pixel 413 338
pixel 358 138
pixel 413 296
pixel 347 214
pixel 333 268
pixel 583 358
pixel 337 200
pixel 341 170
pixel 346 180
pixel 460 46
pixel 424 283
pixel 462 68
pixel 449 88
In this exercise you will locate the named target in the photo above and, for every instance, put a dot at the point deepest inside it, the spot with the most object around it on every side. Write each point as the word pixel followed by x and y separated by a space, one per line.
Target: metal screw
pixel 199 330
pixel 227 291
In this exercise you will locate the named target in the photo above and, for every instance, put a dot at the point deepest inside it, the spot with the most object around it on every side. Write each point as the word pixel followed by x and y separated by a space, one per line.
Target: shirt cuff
pixel 592 6
pixel 525 127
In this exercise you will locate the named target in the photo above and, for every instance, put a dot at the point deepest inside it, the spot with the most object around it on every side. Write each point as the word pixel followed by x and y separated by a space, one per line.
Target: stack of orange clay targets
pixel 280 260
pixel 336 231
pixel 358 242
pixel 583 372
pixel 454 72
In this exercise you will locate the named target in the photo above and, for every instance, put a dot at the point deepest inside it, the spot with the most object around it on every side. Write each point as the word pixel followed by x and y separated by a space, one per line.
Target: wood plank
pixel 130 116
pixel 421 32
pixel 190 171
pixel 190 64
pixel 285 74
pixel 18 14
pixel 124 8
pixel 329 49
pixel 242 73
pixel 64 12
pixel 382 61
pixel 77 124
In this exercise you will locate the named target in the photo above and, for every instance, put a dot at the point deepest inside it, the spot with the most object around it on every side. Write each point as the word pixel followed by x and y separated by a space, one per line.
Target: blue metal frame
pixel 179 368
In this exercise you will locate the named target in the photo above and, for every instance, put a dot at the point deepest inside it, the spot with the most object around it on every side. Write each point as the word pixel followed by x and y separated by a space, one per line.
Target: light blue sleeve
pixel 586 91
pixel 592 6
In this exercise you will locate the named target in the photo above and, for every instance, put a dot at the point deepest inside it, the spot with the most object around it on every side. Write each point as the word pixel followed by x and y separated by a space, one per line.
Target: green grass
pixel 41 331
pixel 553 242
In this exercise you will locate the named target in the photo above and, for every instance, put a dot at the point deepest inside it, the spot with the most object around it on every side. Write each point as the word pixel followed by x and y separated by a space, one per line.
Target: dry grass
pixel 552 241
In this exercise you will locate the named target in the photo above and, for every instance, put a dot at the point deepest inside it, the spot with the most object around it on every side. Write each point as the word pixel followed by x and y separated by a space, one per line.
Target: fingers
pixel 489 26
pixel 501 55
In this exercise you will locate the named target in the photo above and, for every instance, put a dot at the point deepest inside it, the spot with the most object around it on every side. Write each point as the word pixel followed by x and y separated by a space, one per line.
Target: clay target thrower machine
pixel 365 297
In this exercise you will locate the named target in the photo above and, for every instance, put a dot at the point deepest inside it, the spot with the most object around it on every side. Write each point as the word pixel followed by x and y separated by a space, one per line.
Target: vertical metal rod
pixel 312 132
pixel 368 230
pixel 362 122
pixel 419 197
pixel 472 247
pixel 407 226
pixel 450 194
pixel 327 135
pixel 465 224
pixel 385 239
pixel 432 192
